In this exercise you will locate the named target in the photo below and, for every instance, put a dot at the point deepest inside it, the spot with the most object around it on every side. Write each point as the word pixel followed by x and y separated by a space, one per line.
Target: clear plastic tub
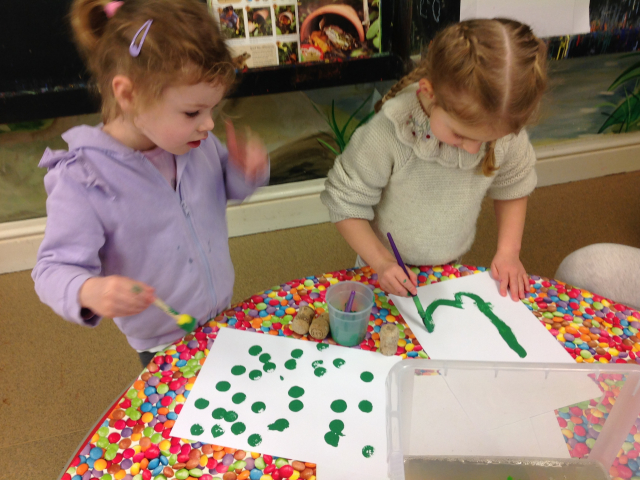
pixel 488 420
pixel 349 328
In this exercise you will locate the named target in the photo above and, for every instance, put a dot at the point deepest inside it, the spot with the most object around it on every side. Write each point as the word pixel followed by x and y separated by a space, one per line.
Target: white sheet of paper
pixel 467 334
pixel 546 17
pixel 440 427
pixel 304 439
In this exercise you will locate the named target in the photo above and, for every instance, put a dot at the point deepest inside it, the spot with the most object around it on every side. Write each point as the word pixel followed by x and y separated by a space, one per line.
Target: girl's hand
pixel 508 269
pixel 392 279
pixel 115 296
pixel 247 153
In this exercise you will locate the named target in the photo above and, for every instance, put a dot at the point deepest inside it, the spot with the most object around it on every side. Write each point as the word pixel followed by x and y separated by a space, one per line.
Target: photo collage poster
pixel 266 33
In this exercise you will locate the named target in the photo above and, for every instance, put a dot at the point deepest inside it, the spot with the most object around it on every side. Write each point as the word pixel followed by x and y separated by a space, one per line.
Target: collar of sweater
pixel 412 128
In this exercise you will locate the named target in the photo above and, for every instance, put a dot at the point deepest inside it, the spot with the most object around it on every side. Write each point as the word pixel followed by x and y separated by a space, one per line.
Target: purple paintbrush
pixel 349 304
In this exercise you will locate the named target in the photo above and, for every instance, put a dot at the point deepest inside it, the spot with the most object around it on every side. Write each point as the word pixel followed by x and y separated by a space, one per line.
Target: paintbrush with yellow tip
pixel 184 321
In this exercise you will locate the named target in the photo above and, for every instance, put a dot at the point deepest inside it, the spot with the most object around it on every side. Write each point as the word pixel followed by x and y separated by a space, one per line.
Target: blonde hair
pixel 183 45
pixel 484 72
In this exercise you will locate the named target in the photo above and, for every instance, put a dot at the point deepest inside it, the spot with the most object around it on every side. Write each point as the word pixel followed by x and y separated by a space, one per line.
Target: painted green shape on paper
pixel 255 374
pixel 365 406
pixel 486 309
pixel 238 370
pixel 196 429
pixel 281 377
pixel 264 358
pixel 230 416
pixel 269 367
pixel 332 438
pixel 320 371
pixel 296 405
pixel 322 346
pixel 316 363
pixel 296 392
pixel 280 425
pixel 367 451
pixel 297 353
pixel 223 386
pixel 290 364
pixel 338 406
pixel 254 440
pixel 238 398
pixel 201 403
pixel 217 430
pixel 338 362
pixel 336 426
pixel 238 428
pixel 366 377
pixel 218 413
pixel 258 407
pixel 255 350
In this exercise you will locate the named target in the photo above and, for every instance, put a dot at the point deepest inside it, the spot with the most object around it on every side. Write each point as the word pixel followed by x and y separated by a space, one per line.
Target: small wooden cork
pixel 319 328
pixel 389 337
pixel 303 319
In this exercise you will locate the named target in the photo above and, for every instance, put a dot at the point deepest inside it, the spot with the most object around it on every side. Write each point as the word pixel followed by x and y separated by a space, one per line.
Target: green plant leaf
pixel 622 113
pixel 630 73
pixel 325 144
pixel 344 129
pixel 374 28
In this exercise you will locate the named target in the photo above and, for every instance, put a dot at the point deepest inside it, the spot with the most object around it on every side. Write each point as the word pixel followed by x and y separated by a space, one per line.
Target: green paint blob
pixel 255 374
pixel 258 407
pixel 290 364
pixel 201 403
pixel 296 406
pixel 218 413
pixel 238 428
pixel 269 367
pixel 322 346
pixel 230 416
pixel 338 406
pixel 486 309
pixel 281 377
pixel 296 392
pixel 332 438
pixel 238 398
pixel 365 406
pixel 255 350
pixel 316 363
pixel 280 425
pixel 297 353
pixel 336 426
pixel 217 430
pixel 367 451
pixel 196 429
pixel 320 371
pixel 254 440
pixel 264 358
pixel 338 362
pixel 238 370
pixel 223 386
pixel 366 376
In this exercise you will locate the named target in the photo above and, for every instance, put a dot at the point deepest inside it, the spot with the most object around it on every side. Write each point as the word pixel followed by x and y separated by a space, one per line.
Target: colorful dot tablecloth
pixel 133 441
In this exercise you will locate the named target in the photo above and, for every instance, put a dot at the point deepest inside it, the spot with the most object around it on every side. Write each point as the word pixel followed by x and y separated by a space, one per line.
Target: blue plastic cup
pixel 349 328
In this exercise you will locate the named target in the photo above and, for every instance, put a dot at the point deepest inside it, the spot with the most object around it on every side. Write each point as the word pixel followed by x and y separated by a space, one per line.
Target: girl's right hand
pixel 115 296
pixel 392 279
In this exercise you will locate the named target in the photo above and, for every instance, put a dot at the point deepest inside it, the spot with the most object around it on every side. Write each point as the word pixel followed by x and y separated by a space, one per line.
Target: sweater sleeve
pixel 516 177
pixel 69 253
pixel 354 185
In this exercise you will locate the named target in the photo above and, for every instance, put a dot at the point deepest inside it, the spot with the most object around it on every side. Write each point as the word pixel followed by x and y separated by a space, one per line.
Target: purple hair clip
pixel 134 49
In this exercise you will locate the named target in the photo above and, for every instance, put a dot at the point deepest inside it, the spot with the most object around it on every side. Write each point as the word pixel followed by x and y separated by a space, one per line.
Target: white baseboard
pixel 298 204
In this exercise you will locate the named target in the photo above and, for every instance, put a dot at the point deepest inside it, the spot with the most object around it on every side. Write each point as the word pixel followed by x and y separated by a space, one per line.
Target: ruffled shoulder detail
pixel 413 129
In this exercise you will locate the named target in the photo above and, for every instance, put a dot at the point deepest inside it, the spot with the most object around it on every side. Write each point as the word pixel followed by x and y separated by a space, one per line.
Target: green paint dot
pixel 201 403
pixel 296 392
pixel 255 374
pixel 322 346
pixel 316 363
pixel 297 353
pixel 238 370
pixel 332 438
pixel 290 364
pixel 238 428
pixel 367 451
pixel 280 425
pixel 255 350
pixel 338 362
pixel 217 430
pixel 223 386
pixel 196 429
pixel 320 371
pixel 254 440
pixel 296 406
pixel 258 407
pixel 264 358
pixel 269 367
pixel 238 398
pixel 338 406
pixel 365 406
pixel 230 416
pixel 336 426
pixel 366 376
pixel 218 413
pixel 281 377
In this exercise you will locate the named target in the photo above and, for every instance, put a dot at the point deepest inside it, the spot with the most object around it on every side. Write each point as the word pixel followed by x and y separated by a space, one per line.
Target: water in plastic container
pixel 349 328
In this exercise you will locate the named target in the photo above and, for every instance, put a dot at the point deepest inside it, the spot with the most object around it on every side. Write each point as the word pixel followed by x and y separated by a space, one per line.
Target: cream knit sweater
pixel 398 176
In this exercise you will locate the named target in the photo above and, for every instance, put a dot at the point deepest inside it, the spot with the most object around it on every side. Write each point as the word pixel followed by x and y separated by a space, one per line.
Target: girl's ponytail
pixel 412 77
pixel 88 21
pixel 488 164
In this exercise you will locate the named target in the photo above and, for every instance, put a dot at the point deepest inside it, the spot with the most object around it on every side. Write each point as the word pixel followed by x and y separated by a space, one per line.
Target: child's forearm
pixel 510 216
pixel 359 235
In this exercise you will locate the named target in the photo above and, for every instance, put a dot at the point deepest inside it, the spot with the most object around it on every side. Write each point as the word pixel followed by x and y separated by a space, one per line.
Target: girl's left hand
pixel 509 271
pixel 247 153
